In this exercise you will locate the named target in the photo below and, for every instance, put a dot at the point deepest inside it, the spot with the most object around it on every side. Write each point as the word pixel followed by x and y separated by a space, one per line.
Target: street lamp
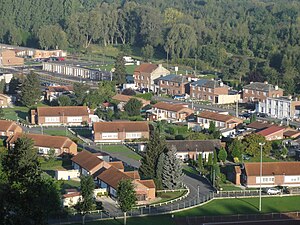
pixel 261 145
pixel 198 191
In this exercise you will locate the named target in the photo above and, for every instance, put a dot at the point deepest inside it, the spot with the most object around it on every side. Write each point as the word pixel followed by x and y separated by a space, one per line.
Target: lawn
pixel 229 187
pixel 219 207
pixel 18 112
pixel 49 166
pixel 120 149
pixel 168 196
pixel 264 159
pixel 188 170
pixel 61 132
pixel 84 132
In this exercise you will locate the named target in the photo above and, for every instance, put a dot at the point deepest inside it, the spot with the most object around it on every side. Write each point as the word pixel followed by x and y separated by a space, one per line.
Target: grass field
pixel 229 187
pixel 219 207
pixel 122 150
pixel 169 196
pixel 18 112
pixel 265 159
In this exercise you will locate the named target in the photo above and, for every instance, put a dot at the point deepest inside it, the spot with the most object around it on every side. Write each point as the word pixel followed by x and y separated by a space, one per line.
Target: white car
pixel 273 191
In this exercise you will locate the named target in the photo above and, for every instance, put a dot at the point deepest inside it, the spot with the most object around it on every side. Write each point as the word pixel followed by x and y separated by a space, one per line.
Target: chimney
pixel 290 97
pixel 159 65
pixel 276 87
pixel 266 82
pixel 138 63
pixel 221 84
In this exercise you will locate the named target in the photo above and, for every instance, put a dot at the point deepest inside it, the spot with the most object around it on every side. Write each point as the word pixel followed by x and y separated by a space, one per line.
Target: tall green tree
pixel 155 147
pixel 25 190
pixel 147 52
pixel 64 100
pixel 87 203
pixel 236 149
pixel 120 70
pixel 133 107
pixel 2 86
pixel 126 196
pixel 252 147
pixel 2 114
pixel 200 162
pixel 222 155
pixel 210 159
pixel 172 176
pixel 30 90
pixel 80 91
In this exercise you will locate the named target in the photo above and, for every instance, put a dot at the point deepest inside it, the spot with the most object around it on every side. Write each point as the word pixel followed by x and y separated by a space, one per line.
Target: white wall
pixel 66 174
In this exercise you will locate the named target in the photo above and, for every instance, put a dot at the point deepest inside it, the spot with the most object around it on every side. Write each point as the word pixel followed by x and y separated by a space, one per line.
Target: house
pixel 208 90
pixel 8 58
pixel 272 133
pixel 66 174
pixel 108 175
pixel 78 71
pixel 71 198
pixel 123 99
pixel 4 101
pixel 191 149
pixel 53 92
pixel 258 126
pixel 6 77
pixel 9 128
pixel 60 115
pixel 258 92
pixel 280 107
pixel 44 143
pixel 220 120
pixel 273 174
pixel 173 84
pixel 291 133
pixel 120 131
pixel 170 112
pixel 145 74
pixel 110 178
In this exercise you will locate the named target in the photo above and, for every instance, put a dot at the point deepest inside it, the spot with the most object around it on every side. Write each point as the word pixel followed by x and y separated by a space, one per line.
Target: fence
pixel 180 205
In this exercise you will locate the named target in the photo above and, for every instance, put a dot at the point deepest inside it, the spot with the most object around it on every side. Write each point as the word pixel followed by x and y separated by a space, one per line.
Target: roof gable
pixel 145 68
pixel 86 160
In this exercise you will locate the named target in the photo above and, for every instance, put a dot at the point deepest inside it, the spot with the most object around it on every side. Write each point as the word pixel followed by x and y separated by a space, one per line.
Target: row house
pixel 272 133
pixel 145 74
pixel 192 149
pixel 258 91
pixel 9 128
pixel 280 107
pixel 108 175
pixel 120 131
pixel 174 84
pixel 221 121
pixel 44 143
pixel 273 174
pixel 170 112
pixel 208 90
pixel 76 71
pixel 60 115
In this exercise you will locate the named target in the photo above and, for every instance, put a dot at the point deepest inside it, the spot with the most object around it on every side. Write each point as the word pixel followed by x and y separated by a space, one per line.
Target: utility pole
pixel 260 172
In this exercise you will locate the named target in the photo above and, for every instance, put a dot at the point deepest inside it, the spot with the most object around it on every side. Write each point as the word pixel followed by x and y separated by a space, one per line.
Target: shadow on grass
pixel 22 114
pixel 248 203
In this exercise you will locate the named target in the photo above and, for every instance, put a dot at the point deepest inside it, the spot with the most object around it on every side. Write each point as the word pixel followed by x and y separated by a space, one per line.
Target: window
pixel 246 91
pixel 265 180
pixel 109 135
pixel 52 119
pixel 74 119
pixel 209 90
pixel 265 94
pixel 133 135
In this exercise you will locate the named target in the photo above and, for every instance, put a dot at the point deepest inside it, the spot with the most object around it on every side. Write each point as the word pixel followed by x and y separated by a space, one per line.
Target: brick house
pixel 4 101
pixel 8 58
pixel 108 175
pixel 119 131
pixel 220 120
pixel 191 149
pixel 273 174
pixel 174 84
pixel 9 128
pixel 272 133
pixel 171 112
pixel 145 74
pixel 208 90
pixel 60 115
pixel 44 143
pixel 257 91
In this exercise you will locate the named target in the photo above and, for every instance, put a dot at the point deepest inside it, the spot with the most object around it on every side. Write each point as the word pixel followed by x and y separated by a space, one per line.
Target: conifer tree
pixel 30 90
pixel 120 70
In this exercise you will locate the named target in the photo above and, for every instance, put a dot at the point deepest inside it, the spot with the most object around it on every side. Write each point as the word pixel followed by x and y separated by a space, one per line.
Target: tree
pixel 128 91
pixel 64 100
pixel 253 118
pixel 30 90
pixel 159 171
pixel 252 147
pixel 87 203
pixel 197 136
pixel 14 85
pixel 2 114
pixel 133 107
pixel 52 37
pixel 155 147
pixel 212 127
pixel 80 91
pixel 25 184
pixel 222 155
pixel 126 196
pixel 215 159
pixel 2 86
pixel 210 159
pixel 172 176
pixel 120 70
pixel 236 149
pixel 147 53
pixel 200 162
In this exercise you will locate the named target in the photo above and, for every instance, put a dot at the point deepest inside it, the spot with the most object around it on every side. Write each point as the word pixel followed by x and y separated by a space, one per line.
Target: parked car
pixel 273 191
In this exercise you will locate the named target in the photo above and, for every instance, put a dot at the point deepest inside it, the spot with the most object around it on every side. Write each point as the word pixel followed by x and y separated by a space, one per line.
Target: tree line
pixel 245 40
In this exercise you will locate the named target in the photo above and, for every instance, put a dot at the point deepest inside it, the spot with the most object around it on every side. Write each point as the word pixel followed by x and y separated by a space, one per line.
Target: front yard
pixel 120 149
pixel 168 196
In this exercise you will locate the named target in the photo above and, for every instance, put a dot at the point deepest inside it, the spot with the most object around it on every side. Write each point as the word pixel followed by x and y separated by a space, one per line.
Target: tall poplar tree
pixel 30 90
pixel 120 70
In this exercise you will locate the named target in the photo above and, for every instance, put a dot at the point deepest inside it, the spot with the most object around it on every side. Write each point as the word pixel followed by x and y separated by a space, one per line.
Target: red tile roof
pixel 70 195
pixel 63 111
pixel 118 126
pixel 45 140
pixel 133 174
pixel 86 160
pixel 258 125
pixel 126 98
pixel 170 107
pixel 118 165
pixel 291 133
pixel 218 116
pixel 148 183
pixel 273 168
pixel 145 68
pixel 7 125
pixel 270 130
pixel 112 177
